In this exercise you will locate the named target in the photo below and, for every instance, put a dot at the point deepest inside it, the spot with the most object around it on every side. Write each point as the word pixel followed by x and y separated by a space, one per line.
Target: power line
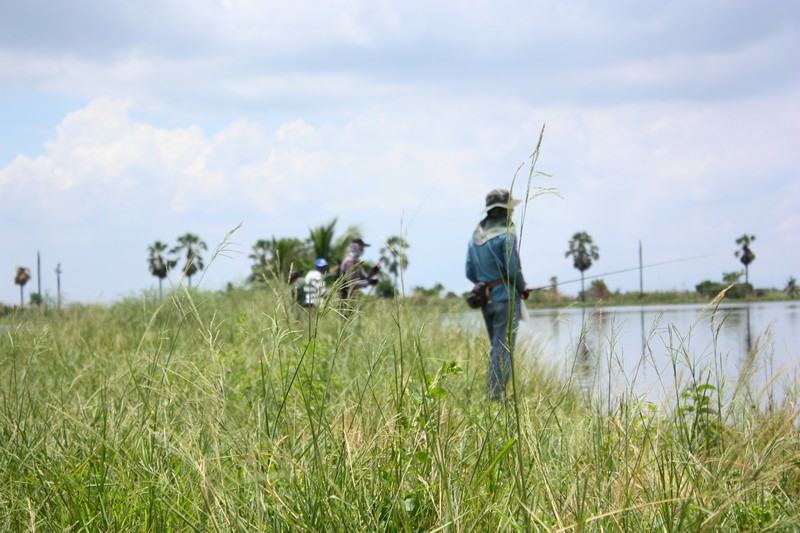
pixel 621 271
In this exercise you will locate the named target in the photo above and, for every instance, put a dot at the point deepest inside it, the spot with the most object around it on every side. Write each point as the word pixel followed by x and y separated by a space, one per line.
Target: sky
pixel 673 124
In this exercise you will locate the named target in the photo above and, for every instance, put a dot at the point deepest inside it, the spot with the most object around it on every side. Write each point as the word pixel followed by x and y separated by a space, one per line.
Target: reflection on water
pixel 649 352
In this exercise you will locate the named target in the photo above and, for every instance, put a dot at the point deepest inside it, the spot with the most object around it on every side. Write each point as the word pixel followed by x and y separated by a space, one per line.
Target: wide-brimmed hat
pixel 500 198
pixel 357 240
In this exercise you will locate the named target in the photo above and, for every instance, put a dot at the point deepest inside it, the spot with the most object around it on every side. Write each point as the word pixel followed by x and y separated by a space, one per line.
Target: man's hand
pixel 526 293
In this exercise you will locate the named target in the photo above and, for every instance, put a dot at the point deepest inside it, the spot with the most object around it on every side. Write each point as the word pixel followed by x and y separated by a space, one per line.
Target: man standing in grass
pixel 354 275
pixel 493 259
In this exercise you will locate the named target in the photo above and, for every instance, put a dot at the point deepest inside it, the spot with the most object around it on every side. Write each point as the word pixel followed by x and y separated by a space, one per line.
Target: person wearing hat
pixel 352 270
pixel 314 282
pixel 493 259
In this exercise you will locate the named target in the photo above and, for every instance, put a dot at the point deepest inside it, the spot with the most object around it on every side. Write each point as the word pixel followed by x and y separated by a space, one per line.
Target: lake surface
pixel 652 351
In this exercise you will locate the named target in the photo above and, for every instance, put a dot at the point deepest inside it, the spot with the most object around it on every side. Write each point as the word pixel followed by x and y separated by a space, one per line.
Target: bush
pixel 599 291
pixel 709 288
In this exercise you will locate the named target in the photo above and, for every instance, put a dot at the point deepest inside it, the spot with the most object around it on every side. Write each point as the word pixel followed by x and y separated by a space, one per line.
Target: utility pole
pixel 641 273
pixel 58 284
pixel 39 275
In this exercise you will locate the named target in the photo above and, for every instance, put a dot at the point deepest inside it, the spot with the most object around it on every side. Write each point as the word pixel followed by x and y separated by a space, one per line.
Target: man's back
pixel 493 258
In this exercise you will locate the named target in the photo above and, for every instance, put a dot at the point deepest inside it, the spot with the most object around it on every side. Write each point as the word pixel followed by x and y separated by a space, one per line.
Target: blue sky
pixel 675 124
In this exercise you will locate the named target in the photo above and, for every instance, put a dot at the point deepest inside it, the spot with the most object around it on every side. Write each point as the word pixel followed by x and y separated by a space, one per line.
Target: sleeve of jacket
pixel 470 266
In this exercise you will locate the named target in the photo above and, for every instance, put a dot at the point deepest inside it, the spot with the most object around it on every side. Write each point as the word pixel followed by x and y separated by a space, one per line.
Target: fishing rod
pixel 641 267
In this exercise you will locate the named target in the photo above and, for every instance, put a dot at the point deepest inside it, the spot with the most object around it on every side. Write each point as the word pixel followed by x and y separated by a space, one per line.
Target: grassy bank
pixel 238 411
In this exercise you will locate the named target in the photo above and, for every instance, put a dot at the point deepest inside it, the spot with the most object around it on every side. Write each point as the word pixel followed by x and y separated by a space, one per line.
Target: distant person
pixel 314 289
pixel 354 275
pixel 493 259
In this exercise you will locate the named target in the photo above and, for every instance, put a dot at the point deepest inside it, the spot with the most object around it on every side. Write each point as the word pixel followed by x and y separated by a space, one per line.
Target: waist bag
pixel 480 294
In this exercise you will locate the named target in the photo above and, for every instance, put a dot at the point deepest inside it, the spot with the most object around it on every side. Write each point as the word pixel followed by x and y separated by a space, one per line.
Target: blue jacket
pixel 492 254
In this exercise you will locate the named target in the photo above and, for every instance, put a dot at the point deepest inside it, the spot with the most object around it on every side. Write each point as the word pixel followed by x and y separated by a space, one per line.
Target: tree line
pixel 584 252
pixel 285 257
pixel 280 258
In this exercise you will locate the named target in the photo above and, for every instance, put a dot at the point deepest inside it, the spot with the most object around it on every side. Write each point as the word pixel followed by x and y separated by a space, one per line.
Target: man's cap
pixel 500 198
pixel 320 263
pixel 357 240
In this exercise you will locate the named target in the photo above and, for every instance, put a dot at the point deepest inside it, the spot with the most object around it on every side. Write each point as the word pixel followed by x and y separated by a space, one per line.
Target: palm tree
pixel 321 241
pixel 324 243
pixel 259 271
pixel 191 244
pixel 583 252
pixel 745 255
pixel 278 257
pixel 22 277
pixel 394 256
pixel 290 255
pixel 160 267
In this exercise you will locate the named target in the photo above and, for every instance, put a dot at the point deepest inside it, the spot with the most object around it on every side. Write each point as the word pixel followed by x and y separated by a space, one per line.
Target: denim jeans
pixel 497 316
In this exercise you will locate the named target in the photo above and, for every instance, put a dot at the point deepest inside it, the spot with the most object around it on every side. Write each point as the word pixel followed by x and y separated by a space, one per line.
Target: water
pixel 652 351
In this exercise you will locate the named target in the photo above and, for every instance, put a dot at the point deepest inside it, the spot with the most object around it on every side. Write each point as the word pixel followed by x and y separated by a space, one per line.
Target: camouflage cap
pixel 500 198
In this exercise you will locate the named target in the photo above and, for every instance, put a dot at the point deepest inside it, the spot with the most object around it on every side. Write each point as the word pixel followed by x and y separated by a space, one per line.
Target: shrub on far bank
pixel 710 289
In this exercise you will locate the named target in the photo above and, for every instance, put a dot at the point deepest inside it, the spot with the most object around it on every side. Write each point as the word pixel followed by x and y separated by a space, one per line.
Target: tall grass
pixel 238 411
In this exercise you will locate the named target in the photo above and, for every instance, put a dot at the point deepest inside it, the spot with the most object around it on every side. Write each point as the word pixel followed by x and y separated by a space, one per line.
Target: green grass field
pixel 239 412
